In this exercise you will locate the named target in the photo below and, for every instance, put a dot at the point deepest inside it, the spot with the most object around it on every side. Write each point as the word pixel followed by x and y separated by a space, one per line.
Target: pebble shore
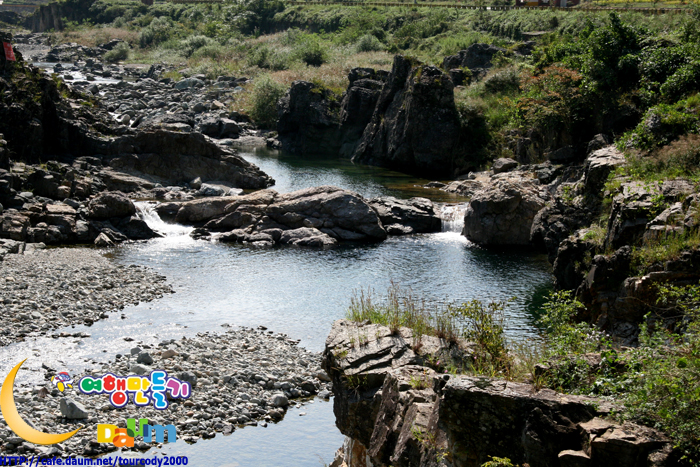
pixel 239 377
pixel 44 290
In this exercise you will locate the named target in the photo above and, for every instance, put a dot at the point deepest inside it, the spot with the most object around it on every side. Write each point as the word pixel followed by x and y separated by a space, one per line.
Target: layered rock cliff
pixel 397 410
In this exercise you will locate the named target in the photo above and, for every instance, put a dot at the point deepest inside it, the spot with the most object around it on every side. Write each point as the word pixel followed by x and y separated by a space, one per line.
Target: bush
pixel 683 82
pixel 368 43
pixel 265 57
pixel 118 53
pixel 664 123
pixel 483 325
pixel 193 43
pixel 552 100
pixel 505 81
pixel 266 92
pixel 156 32
pixel 658 381
pixel 311 51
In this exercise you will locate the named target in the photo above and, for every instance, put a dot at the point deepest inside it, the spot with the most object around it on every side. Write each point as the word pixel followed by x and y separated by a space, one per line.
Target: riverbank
pixel 42 290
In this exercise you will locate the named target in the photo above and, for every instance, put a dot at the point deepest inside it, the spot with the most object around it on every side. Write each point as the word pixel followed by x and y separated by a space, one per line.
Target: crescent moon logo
pixel 16 423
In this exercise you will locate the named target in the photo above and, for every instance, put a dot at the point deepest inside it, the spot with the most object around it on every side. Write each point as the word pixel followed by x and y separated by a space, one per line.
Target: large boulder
pixel 339 213
pixel 502 213
pixel 415 127
pixel 358 358
pixel 201 210
pixel 599 165
pixel 400 217
pixel 477 57
pixel 309 120
pixel 396 410
pixel 110 204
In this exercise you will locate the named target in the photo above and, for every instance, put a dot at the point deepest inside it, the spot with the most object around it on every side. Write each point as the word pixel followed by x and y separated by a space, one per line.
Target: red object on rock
pixel 9 54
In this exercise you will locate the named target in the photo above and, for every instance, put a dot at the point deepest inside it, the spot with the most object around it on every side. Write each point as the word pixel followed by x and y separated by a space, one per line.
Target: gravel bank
pixel 43 290
pixel 240 377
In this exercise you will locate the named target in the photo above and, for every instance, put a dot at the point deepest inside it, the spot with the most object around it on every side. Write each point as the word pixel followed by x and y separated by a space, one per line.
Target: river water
pixel 301 292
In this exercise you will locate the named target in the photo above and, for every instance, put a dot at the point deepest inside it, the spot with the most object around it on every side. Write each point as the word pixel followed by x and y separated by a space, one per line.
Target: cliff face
pixel 397 411
pixel 54 14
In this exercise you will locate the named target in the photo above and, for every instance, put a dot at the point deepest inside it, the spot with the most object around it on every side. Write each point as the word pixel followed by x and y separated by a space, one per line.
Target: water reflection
pixel 293 172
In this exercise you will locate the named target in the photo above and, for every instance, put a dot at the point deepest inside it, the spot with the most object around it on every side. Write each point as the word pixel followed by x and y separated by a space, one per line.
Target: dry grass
pixel 91 37
pixel 334 74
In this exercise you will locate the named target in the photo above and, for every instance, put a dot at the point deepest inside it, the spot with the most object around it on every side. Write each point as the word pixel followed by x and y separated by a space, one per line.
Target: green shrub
pixel 564 334
pixel 311 51
pixel 118 53
pixel 552 100
pixel 158 31
pixel 665 392
pixel 683 82
pixel 484 326
pixel 266 57
pixel 664 123
pixel 368 43
pixel 193 43
pixel 213 51
pixel 266 92
pixel 498 462
pixel 658 381
pixel 505 81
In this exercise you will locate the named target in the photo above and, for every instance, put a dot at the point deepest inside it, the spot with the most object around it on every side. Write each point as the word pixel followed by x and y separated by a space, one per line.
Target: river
pixel 302 291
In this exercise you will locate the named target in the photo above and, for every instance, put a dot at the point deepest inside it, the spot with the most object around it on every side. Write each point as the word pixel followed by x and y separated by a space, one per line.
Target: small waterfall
pixel 452 216
pixel 146 210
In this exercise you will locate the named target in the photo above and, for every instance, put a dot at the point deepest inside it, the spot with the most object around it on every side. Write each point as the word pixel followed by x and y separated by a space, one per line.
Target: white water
pixel 452 216
pixel 146 210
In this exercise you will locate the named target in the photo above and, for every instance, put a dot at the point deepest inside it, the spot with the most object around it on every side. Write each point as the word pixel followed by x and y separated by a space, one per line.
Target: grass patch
pixel 481 325
pixel 667 248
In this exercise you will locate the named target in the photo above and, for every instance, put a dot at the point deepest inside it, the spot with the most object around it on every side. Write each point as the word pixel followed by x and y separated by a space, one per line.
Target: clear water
pixel 296 291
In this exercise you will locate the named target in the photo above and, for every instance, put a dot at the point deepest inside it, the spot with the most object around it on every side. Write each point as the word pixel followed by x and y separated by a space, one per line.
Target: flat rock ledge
pixel 396 410
pixel 44 290
pixel 241 377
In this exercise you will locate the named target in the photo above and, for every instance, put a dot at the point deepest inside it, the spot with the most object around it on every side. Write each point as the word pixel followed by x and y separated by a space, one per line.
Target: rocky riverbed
pixel 239 377
pixel 44 290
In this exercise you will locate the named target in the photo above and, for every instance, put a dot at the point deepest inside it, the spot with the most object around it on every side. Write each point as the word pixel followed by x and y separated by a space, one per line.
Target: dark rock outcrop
pixel 174 158
pixel 309 120
pixel 358 105
pixel 43 119
pixel 405 119
pixel 477 58
pixel 315 121
pixel 415 126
